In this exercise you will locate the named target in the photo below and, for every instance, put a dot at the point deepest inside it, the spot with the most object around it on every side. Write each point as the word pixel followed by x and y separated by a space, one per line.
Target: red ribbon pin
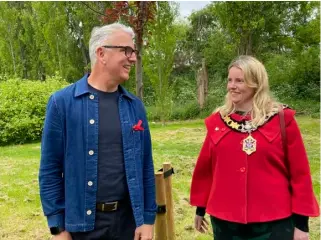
pixel 138 126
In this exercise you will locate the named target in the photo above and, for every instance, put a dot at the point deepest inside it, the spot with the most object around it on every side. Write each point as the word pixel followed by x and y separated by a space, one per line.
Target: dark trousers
pixel 275 230
pixel 116 225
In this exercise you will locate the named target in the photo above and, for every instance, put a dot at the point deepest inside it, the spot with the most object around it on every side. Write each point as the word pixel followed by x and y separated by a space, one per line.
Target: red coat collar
pixel 218 129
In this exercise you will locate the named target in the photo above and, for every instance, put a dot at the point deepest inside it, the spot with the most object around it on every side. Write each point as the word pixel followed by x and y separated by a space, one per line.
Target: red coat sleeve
pixel 303 198
pixel 202 176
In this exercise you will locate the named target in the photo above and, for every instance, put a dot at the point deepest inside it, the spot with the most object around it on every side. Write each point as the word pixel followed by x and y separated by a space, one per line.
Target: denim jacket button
pixel 89 212
pixel 91 152
pixel 91 97
pixel 91 121
pixel 90 183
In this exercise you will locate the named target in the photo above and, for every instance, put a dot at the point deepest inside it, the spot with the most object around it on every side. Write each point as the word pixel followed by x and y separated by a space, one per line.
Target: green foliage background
pixel 44 46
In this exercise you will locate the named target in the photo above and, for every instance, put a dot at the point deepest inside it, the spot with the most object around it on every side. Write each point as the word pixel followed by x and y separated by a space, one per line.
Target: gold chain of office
pixel 246 126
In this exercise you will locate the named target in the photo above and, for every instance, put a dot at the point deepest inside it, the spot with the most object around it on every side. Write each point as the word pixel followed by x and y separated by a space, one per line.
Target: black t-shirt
pixel 112 184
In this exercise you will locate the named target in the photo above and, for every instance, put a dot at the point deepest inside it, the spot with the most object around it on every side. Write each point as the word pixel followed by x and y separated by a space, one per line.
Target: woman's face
pixel 239 93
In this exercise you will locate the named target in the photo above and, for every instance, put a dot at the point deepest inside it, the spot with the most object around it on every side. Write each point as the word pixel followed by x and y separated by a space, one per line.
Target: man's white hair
pixel 99 36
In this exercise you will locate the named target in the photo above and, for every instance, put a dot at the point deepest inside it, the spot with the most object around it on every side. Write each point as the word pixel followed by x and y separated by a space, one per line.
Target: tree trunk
pixel 41 72
pixel 205 77
pixel 20 30
pixel 58 55
pixel 249 45
pixel 23 60
pixel 12 56
pixel 139 45
pixel 202 85
pixel 85 57
pixel 139 73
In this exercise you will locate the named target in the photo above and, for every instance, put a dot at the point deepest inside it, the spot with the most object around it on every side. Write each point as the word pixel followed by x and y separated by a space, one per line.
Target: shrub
pixel 188 111
pixel 22 108
pixel 152 113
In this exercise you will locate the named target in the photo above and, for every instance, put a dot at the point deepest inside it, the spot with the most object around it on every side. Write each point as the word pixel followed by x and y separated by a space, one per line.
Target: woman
pixel 250 186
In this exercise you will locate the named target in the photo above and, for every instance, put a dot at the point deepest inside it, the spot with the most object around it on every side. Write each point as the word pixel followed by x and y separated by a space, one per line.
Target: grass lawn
pixel 179 143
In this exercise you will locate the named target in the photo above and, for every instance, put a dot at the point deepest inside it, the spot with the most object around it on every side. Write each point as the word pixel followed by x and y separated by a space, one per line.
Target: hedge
pixel 22 108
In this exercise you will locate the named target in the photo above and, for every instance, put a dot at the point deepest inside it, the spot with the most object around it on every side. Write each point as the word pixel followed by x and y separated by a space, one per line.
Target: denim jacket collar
pixel 82 88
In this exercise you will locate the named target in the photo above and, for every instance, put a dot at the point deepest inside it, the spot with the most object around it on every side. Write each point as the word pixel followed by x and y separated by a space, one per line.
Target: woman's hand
pixel 200 224
pixel 300 235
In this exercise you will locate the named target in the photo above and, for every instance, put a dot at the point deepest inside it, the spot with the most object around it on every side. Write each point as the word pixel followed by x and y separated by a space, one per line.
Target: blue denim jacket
pixel 69 155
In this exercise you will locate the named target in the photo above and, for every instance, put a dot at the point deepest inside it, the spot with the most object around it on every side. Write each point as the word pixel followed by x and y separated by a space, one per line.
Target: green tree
pixel 159 57
pixel 8 31
pixel 138 14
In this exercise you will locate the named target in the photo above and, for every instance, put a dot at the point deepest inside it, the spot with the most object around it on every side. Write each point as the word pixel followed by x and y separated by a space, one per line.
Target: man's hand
pixel 201 224
pixel 144 232
pixel 62 236
pixel 300 235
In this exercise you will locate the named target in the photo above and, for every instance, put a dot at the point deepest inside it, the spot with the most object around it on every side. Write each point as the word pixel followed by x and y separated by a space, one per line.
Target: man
pixel 96 173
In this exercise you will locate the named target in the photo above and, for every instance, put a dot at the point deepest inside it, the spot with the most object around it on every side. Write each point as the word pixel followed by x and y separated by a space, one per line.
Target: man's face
pixel 117 64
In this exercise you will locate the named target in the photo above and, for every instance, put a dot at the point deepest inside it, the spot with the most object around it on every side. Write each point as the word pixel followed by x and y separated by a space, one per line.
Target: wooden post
pixel 160 224
pixel 169 203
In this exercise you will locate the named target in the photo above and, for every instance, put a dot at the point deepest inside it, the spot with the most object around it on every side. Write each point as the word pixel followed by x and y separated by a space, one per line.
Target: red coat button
pixel 242 169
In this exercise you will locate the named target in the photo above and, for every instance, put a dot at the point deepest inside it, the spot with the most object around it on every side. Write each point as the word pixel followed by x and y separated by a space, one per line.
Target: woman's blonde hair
pixel 255 76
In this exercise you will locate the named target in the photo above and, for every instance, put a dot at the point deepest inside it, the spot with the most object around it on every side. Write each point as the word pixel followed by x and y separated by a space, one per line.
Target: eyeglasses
pixel 127 49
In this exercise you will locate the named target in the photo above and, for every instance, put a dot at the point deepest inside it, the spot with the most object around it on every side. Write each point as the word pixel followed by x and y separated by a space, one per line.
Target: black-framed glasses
pixel 127 49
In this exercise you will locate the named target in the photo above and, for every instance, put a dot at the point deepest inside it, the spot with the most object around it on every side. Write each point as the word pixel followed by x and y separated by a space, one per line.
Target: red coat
pixel 243 188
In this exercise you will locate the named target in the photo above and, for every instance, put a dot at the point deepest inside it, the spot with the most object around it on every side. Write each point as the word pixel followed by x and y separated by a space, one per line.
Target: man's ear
pixel 100 53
